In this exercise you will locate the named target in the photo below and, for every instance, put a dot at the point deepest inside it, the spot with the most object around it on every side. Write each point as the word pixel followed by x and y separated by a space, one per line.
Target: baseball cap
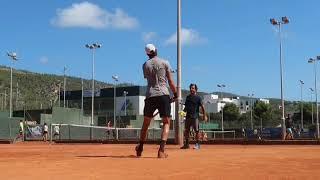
pixel 150 48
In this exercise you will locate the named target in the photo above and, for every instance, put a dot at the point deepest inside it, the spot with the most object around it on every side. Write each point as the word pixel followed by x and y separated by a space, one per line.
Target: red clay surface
pixel 96 161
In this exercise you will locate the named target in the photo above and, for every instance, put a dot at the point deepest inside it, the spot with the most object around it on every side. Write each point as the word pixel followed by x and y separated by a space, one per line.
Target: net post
pixel 69 129
pixel 117 134
pixel 59 131
pixel 137 134
pixel 50 133
pixel 91 133
pixel 10 128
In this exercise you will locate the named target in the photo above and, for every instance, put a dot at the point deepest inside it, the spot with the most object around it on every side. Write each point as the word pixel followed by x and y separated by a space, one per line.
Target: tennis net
pixel 100 133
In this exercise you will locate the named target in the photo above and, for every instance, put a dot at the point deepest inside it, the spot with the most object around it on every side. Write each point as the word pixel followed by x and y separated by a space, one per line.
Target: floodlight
pixel 115 77
pixel 310 60
pixel 285 20
pixel 273 21
pixel 301 82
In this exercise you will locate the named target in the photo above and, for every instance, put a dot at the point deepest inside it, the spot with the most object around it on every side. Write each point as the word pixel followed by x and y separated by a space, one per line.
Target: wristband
pixel 175 95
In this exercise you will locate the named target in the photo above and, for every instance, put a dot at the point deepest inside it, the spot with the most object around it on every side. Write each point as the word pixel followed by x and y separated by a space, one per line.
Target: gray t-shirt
pixel 155 70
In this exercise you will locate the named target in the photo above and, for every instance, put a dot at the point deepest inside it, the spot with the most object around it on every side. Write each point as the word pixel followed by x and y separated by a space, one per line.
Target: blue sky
pixel 227 42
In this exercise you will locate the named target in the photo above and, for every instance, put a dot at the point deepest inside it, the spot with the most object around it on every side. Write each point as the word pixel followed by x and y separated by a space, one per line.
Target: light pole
pixel 81 96
pixel 311 91
pixel 178 106
pixel 251 108
pixel 17 95
pixel 116 79
pixel 59 94
pixel 221 86
pixel 301 103
pixel 64 86
pixel 5 99
pixel 125 93
pixel 314 61
pixel 208 110
pixel 13 57
pixel 284 20
pixel 93 47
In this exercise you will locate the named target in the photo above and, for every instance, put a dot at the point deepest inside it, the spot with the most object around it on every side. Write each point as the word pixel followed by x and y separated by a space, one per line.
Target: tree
pixel 244 120
pixel 231 112
pixel 263 114
pixel 307 114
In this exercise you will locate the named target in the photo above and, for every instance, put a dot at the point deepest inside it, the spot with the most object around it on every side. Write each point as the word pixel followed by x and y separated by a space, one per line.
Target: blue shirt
pixel 192 105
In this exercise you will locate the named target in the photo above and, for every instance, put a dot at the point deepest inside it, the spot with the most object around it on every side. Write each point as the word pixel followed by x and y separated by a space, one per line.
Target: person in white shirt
pixel 157 72
pixel 56 131
pixel 21 131
pixel 45 132
pixel 108 130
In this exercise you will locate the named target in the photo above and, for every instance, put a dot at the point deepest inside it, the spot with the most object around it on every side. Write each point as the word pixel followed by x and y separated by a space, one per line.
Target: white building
pixel 214 104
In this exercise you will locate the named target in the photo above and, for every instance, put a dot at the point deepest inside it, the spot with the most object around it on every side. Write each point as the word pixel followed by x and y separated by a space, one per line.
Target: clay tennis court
pixel 109 161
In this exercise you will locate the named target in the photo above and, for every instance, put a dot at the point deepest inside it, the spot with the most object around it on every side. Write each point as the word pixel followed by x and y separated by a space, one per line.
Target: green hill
pixel 36 90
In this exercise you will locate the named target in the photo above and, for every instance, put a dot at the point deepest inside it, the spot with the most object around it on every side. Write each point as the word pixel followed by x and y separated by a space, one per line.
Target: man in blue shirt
pixel 192 107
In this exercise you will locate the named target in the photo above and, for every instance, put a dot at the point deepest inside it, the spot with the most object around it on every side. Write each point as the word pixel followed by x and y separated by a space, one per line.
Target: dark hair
pixel 153 54
pixel 195 86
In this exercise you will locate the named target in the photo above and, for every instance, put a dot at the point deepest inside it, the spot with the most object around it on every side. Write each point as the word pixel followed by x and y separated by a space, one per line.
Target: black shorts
pixel 192 122
pixel 162 103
